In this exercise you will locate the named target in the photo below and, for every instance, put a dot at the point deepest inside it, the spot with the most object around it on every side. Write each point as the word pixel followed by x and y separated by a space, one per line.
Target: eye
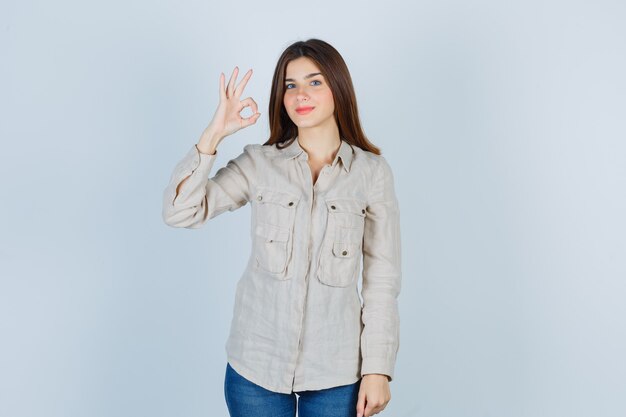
pixel 314 81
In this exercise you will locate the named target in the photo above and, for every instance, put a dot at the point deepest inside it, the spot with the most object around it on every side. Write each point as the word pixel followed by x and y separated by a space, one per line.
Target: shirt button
pixel 291 203
pixel 333 207
pixel 344 253
pixel 363 211
pixel 259 198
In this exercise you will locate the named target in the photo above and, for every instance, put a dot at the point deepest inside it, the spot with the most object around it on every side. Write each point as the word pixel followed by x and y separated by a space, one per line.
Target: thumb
pixel 252 119
pixel 247 121
pixel 360 405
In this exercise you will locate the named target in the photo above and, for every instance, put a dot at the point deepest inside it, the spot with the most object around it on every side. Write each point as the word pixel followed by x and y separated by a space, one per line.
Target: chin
pixel 307 124
pixel 304 122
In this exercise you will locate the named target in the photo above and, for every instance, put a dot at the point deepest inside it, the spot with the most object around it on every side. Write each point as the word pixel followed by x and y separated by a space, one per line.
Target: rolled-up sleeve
pixel 201 198
pixel 380 337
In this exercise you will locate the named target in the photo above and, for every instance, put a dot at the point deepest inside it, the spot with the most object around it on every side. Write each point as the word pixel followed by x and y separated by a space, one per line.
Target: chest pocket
pixel 341 251
pixel 275 219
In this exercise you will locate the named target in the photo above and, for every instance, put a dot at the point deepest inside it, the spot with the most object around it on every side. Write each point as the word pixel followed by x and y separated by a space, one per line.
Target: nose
pixel 302 96
pixel 301 93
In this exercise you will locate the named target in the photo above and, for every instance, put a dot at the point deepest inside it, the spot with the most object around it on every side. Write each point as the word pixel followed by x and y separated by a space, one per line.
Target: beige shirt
pixel 298 322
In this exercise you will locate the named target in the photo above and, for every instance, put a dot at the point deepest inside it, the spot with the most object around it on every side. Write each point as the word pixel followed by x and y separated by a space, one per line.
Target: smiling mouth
pixel 305 110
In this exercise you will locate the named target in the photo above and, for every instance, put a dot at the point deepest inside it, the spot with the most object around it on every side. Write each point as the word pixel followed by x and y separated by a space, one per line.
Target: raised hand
pixel 227 119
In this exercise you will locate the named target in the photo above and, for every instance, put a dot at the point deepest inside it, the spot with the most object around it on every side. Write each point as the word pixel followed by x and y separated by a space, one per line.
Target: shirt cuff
pixel 377 366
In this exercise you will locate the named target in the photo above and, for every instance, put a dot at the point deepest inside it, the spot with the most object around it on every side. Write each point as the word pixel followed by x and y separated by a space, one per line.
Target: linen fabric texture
pixel 298 322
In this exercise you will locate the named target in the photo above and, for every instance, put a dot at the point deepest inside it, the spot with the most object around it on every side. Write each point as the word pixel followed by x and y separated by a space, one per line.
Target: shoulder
pixel 252 148
pixel 381 177
pixel 258 154
pixel 374 163
pixel 252 151
pixel 260 150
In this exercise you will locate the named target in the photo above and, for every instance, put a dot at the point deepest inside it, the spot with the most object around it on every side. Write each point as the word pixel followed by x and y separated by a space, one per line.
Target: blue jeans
pixel 245 398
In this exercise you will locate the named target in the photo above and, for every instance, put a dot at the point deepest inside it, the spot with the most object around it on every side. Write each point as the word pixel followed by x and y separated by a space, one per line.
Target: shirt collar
pixel 345 153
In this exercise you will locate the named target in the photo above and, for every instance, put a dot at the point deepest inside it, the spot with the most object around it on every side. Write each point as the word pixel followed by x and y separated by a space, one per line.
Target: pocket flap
pixel 269 195
pixel 344 205
pixel 272 233
pixel 345 249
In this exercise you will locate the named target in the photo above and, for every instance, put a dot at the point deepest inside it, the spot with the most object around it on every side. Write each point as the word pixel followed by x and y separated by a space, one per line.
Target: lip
pixel 304 110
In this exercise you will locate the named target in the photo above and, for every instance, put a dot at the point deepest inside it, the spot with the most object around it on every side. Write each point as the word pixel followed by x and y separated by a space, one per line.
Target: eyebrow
pixel 306 76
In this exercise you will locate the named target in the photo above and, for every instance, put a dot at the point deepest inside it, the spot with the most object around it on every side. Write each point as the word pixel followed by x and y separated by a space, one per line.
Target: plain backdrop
pixel 503 121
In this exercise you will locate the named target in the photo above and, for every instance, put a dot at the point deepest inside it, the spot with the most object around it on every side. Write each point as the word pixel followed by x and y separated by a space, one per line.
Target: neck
pixel 320 143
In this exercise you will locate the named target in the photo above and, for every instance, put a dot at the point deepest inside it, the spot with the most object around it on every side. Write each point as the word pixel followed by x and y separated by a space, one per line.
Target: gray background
pixel 504 123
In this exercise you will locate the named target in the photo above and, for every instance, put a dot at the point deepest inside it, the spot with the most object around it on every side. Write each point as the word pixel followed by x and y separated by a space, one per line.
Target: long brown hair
pixel 334 69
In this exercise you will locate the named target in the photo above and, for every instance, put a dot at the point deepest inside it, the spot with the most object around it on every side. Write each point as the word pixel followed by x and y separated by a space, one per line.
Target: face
pixel 305 86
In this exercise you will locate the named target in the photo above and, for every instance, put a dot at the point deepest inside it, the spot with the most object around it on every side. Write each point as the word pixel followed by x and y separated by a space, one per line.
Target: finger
pixel 243 83
pixel 231 82
pixel 222 90
pixel 360 405
pixel 251 120
pixel 250 102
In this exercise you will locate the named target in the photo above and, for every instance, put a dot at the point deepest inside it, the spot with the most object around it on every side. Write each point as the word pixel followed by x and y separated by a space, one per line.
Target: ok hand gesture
pixel 227 119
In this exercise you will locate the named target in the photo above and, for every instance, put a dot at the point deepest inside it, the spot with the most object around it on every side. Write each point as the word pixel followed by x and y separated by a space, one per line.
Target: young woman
pixel 322 198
